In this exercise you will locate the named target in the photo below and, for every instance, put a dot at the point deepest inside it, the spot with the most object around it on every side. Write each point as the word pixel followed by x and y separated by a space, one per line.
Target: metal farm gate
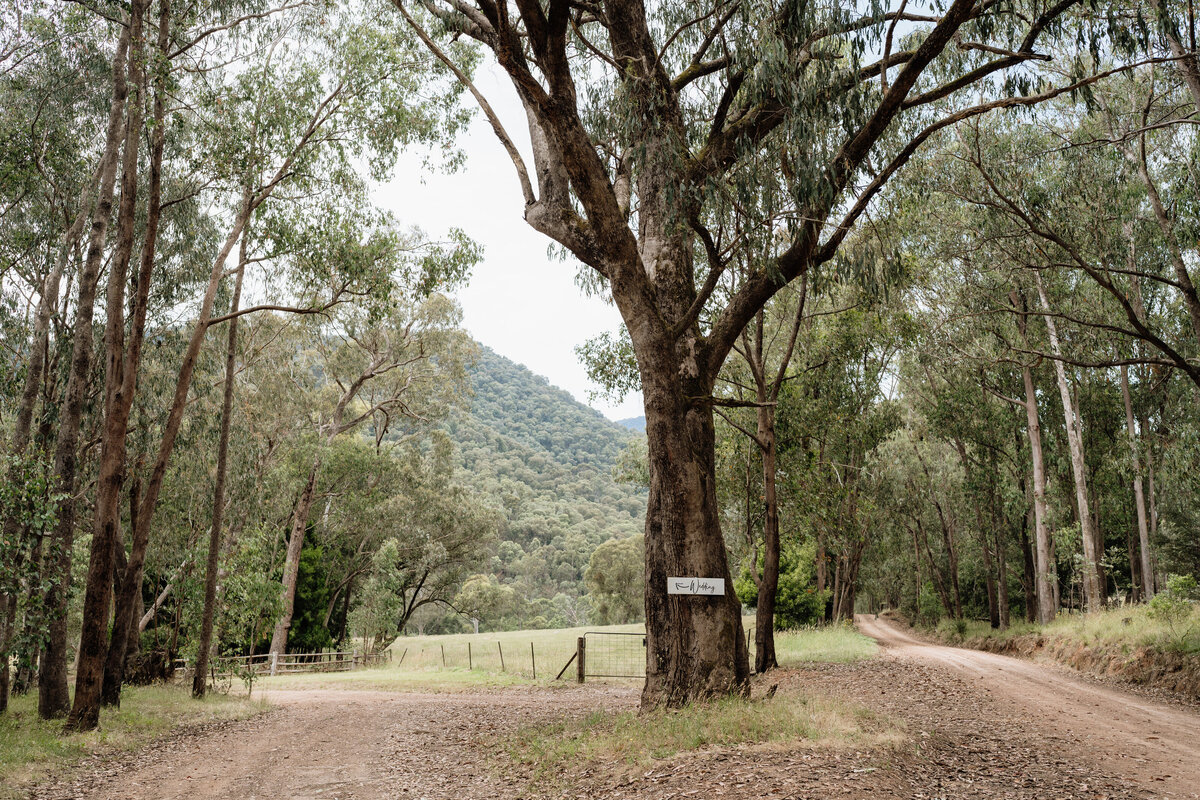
pixel 604 654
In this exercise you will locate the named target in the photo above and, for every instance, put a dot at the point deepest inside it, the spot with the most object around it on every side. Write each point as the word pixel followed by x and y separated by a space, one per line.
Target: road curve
pixel 1154 744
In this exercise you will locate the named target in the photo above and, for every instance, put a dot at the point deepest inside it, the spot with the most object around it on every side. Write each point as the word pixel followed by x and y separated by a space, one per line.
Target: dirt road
pixel 1154 745
pixel 338 745
pixel 975 726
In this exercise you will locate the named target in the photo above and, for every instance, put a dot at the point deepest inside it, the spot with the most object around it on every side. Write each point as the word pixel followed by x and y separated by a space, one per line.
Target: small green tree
pixel 798 601
pixel 615 581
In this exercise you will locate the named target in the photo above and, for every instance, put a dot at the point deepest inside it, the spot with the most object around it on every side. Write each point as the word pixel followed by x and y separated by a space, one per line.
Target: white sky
pixel 520 302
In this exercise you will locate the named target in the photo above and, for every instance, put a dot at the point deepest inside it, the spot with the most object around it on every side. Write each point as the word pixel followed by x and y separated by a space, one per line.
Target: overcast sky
pixel 520 302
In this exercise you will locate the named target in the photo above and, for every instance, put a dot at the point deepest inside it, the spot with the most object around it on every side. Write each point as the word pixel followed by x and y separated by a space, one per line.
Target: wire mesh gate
pixel 605 654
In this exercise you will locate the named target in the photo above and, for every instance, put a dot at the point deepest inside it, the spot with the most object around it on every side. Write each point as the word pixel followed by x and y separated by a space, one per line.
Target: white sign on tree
pixel 709 586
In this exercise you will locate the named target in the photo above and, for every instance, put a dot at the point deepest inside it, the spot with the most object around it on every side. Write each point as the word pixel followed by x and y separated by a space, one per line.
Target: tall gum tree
pixel 315 94
pixel 638 118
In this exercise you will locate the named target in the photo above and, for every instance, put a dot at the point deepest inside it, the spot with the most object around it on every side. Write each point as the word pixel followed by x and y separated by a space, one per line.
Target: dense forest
pixel 909 291
pixel 547 463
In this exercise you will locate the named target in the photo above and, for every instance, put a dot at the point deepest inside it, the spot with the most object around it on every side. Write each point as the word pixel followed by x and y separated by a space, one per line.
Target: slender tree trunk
pixel 1091 586
pixel 120 381
pixel 1138 496
pixel 1030 577
pixel 917 592
pixel 1047 569
pixel 768 587
pixel 985 549
pixel 947 527
pixel 1153 511
pixel 200 680
pixel 1002 578
pixel 13 530
pixel 291 565
pixel 53 699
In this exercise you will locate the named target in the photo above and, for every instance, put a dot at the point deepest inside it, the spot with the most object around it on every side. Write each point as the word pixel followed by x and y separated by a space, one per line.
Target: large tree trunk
pixel 53 698
pixel 1091 585
pixel 291 565
pixel 694 643
pixel 1138 496
pixel 200 679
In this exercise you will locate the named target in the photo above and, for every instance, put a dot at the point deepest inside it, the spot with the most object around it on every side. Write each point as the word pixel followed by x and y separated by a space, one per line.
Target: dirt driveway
pixel 340 744
pixel 977 727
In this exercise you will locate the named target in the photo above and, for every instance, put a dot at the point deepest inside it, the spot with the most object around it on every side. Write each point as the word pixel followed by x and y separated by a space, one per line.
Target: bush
pixel 797 601
pixel 1174 606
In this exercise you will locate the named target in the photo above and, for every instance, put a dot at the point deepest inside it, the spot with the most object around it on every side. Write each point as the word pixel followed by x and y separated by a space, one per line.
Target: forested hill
pixel 521 406
pixel 545 461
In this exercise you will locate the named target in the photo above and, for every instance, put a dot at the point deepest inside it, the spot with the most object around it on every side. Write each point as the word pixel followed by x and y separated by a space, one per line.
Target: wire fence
pixel 520 658
pixel 614 655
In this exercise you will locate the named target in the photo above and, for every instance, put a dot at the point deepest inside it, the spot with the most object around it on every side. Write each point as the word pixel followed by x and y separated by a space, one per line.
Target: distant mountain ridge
pixel 633 423
pixel 545 462
pixel 516 402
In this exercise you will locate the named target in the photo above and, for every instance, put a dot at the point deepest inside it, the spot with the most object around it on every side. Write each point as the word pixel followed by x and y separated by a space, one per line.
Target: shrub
pixel 1174 606
pixel 797 601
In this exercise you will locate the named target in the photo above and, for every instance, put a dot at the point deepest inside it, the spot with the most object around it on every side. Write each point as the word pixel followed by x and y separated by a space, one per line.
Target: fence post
pixel 533 660
pixel 274 662
pixel 443 656
pixel 470 662
pixel 580 659
pixel 501 649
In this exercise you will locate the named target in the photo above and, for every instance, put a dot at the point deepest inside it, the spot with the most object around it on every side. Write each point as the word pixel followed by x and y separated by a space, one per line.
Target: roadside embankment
pixel 1125 645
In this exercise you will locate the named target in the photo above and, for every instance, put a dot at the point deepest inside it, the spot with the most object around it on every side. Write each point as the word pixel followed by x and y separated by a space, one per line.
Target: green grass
pixel 31 747
pixel 637 739
pixel 838 644
pixel 552 649
pixel 397 679
pixel 1127 627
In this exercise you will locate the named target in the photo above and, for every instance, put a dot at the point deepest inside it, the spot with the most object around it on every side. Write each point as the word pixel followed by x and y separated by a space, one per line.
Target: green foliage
pixel 381 599
pixel 1174 607
pixel 546 463
pixel 798 603
pixel 308 632
pixel 493 604
pixel 615 581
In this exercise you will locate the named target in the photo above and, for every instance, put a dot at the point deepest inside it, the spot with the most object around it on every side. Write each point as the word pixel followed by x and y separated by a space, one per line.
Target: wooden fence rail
pixel 293 663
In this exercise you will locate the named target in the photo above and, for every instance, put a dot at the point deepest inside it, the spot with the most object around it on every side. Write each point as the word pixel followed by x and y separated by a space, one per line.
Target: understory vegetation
pixel 1169 623
pixel 909 291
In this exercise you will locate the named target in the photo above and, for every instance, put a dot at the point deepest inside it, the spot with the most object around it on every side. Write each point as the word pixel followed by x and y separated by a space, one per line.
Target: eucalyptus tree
pixel 304 91
pixel 407 365
pixel 638 118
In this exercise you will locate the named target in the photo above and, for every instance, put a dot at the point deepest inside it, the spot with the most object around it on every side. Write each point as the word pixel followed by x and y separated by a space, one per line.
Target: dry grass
pixel 1123 627
pixel 637 739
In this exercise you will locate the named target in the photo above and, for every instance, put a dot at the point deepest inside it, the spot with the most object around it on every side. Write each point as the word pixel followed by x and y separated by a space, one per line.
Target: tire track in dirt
pixel 339 745
pixel 1153 744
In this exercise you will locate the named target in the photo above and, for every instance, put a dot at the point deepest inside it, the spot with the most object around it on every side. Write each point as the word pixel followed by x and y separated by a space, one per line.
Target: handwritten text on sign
pixel 714 586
